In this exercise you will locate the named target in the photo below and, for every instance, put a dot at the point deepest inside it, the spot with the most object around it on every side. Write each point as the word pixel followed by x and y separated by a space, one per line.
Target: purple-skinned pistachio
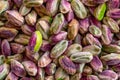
pixel 77 76
pixel 18 57
pixel 111 59
pixel 78 39
pixel 81 57
pixel 69 16
pixel 24 10
pixel 92 77
pixel 40 74
pixel 31 18
pixel 30 67
pixel 14 17
pixel 48 19
pixel 79 9
pixel 87 70
pixel 112 4
pixel 35 41
pixel 58 37
pixel 28 30
pixel 44 60
pixel 100 11
pixel 73 29
pixel 67 65
pixel 84 25
pixel 57 23
pixel 42 11
pixel 64 6
pixel 8 33
pixel 5 48
pixel 52 6
pixel 60 74
pixel 11 76
pixel 49 78
pixel 116 67
pixel 33 56
pixel 32 3
pixel 96 64
pixel 46 46
pixel 17 68
pixel 59 49
pixel 111 48
pixel 89 39
pixel 18 2
pixel 95 31
pixel 17 48
pixel 4 71
pixel 43 27
pixel 4 6
pixel 108 75
pixel 106 35
pixel 22 39
pixel 112 24
pixel 114 13
pixel 80 67
pixel 94 49
pixel 73 49
pixel 94 21
pixel 50 69
pixel 90 3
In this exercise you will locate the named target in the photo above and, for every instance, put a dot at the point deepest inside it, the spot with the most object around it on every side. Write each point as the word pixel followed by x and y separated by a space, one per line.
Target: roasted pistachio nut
pixel 59 49
pixel 4 71
pixel 18 3
pixel 4 6
pixel 73 29
pixel 111 48
pixel 57 23
pixel 100 11
pixel 77 76
pixel 111 59
pixel 52 6
pixel 22 39
pixel 96 64
pixel 49 78
pixel 94 49
pixel 79 9
pixel 43 27
pixel 17 68
pixel 106 35
pixel 114 13
pixel 5 47
pixel 24 10
pixel 35 41
pixel 113 4
pixel 80 67
pixel 32 3
pixel 64 6
pixel 44 60
pixel 60 74
pixel 108 75
pixel 31 18
pixel 81 57
pixel 8 33
pixel 40 74
pixel 30 67
pixel 14 17
pixel 73 49
pixel 67 65
pixel 95 31
pixel 17 48
pixel 50 69
pixel 11 76
pixel 112 24
pixel 87 70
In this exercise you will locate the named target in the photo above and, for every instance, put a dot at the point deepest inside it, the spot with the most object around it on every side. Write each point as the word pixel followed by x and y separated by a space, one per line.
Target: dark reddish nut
pixel 8 33
pixel 67 65
pixel 17 68
pixel 17 48
pixel 5 48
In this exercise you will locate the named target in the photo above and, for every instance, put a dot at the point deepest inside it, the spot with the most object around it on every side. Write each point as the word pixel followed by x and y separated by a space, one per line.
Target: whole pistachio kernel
pixel 35 41
pixel 100 11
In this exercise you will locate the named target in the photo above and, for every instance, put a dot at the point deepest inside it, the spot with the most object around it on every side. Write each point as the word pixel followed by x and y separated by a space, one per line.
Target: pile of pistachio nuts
pixel 59 40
